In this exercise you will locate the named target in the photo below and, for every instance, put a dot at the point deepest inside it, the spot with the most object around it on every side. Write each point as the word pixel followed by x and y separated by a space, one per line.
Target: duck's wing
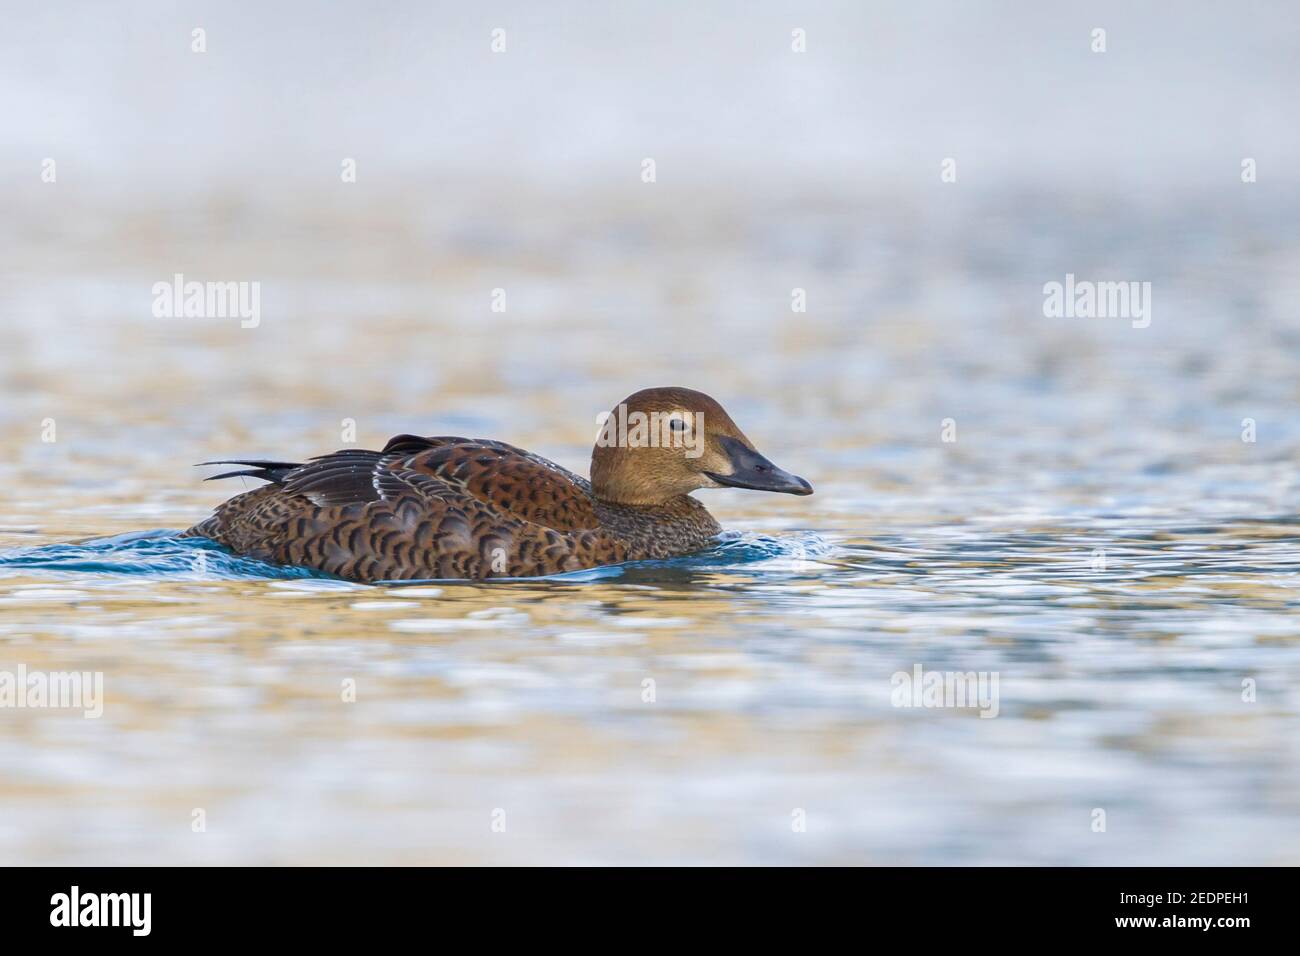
pixel 437 473
pixel 508 479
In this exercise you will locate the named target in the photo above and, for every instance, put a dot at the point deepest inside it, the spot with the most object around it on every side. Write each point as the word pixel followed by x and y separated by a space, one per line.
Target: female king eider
pixel 426 508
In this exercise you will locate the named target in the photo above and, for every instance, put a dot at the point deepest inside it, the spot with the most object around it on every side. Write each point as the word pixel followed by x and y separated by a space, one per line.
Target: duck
pixel 446 508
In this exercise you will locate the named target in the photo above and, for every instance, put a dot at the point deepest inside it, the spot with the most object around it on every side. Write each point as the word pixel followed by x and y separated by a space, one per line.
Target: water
pixel 1102 516
pixel 1121 644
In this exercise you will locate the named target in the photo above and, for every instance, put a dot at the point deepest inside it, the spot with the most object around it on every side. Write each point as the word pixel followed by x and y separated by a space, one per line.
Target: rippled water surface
pixel 1097 534
pixel 1122 607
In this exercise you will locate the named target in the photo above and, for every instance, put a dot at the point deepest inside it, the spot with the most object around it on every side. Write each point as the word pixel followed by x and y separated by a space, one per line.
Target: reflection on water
pixel 771 660
pixel 1098 535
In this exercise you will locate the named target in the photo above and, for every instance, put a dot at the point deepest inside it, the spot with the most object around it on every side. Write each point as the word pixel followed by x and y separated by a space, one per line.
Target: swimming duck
pixel 471 508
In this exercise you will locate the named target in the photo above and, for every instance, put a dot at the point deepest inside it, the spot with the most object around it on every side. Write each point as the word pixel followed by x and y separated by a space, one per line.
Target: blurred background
pixel 774 171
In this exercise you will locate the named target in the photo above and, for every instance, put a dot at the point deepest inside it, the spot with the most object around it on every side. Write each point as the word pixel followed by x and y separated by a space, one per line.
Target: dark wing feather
pixel 440 469
pixel 343 478
pixel 408 444
pixel 273 471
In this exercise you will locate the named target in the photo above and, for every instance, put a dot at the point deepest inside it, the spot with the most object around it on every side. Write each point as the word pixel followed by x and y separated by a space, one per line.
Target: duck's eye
pixel 677 424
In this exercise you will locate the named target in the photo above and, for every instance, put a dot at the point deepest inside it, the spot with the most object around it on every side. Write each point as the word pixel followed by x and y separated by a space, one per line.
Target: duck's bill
pixel 752 470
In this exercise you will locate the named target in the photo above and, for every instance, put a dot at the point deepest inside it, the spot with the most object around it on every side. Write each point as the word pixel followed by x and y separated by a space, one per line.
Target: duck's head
pixel 665 442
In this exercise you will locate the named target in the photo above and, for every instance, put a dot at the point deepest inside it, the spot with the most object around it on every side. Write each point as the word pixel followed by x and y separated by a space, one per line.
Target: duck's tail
pixel 272 471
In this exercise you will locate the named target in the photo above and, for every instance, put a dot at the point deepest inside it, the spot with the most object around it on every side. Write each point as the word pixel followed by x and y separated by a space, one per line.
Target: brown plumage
pixel 470 508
